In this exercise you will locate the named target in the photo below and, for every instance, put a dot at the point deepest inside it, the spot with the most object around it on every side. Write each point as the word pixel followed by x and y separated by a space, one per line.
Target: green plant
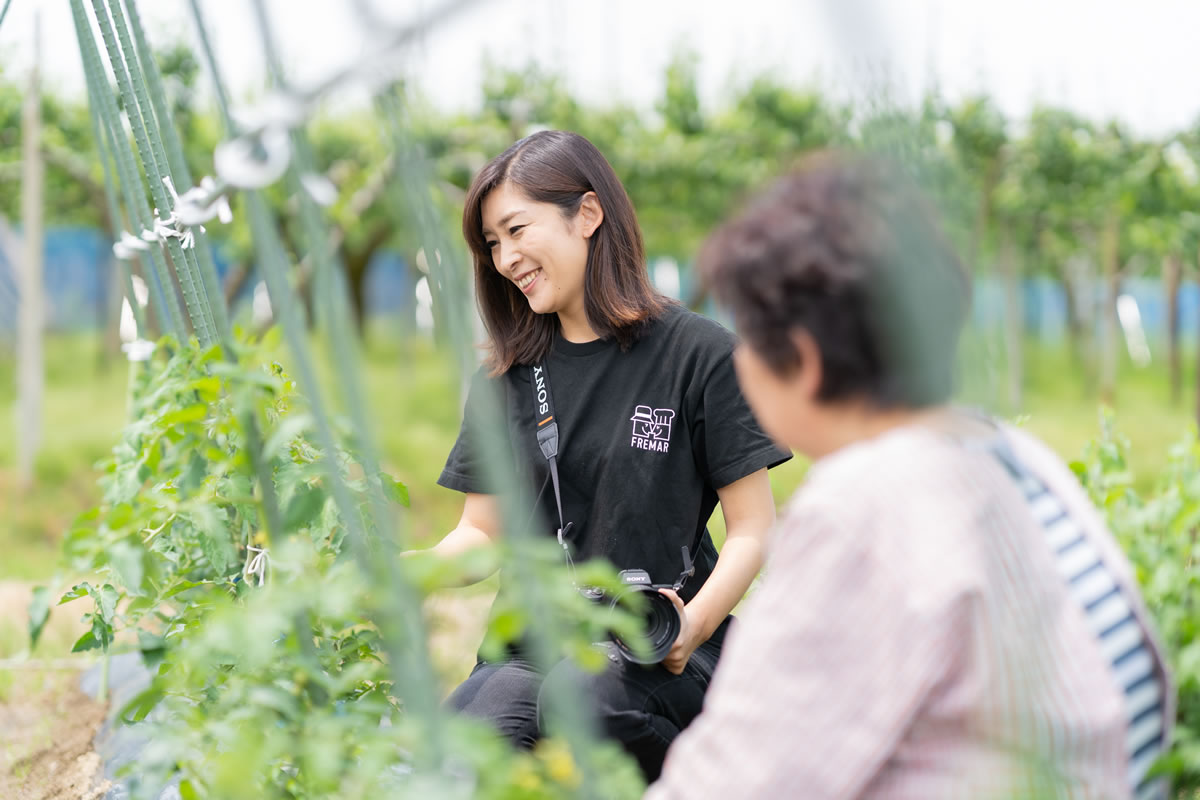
pixel 271 676
pixel 247 540
pixel 1158 530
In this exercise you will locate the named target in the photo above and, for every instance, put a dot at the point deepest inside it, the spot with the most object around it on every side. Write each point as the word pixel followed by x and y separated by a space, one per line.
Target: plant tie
pixel 200 203
pixel 258 564
pixel 128 246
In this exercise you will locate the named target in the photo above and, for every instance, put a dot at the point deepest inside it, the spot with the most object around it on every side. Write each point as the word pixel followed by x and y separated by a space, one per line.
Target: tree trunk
pixel 983 214
pixel 1110 241
pixel 30 311
pixel 356 262
pixel 1013 318
pixel 1074 319
pixel 235 279
pixel 356 273
pixel 1077 280
pixel 1172 275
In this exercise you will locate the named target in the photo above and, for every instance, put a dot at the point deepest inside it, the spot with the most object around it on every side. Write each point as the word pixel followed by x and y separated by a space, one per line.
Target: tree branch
pixel 358 205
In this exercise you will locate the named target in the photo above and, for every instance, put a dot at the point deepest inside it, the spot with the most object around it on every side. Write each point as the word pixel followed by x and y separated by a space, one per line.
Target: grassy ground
pixel 412 392
pixel 1060 400
pixel 83 412
pixel 1063 411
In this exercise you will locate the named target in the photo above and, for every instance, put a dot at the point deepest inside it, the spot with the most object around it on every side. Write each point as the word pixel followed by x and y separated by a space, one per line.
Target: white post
pixel 30 308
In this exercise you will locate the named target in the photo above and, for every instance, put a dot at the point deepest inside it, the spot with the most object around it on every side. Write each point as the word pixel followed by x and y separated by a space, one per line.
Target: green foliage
pixel 278 684
pixel 39 613
pixel 680 105
pixel 284 693
pixel 1044 186
pixel 182 503
pixel 1159 530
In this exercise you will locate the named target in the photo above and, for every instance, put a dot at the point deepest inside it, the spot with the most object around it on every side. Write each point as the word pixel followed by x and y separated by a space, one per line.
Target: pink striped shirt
pixel 912 639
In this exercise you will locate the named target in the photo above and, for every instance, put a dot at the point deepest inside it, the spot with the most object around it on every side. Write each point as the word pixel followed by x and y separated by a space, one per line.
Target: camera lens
pixel 662 626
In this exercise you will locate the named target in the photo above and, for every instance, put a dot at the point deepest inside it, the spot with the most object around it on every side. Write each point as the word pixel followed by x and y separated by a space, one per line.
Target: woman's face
pixel 542 252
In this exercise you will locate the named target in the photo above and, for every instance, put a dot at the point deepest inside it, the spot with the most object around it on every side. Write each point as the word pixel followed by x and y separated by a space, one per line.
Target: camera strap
pixel 547 436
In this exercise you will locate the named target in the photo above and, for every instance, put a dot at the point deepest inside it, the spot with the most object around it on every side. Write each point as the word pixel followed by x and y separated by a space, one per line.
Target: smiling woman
pixel 652 432
pixel 554 240
pixel 543 251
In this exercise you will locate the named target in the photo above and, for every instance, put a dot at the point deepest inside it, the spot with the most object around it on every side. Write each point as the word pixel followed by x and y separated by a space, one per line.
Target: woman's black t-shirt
pixel 646 437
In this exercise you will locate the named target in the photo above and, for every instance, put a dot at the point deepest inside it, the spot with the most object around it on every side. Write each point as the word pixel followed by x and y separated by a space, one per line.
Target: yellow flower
pixel 525 777
pixel 560 765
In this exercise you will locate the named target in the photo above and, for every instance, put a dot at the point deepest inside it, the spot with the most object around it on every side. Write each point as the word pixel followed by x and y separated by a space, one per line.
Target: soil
pixel 46 731
pixel 47 723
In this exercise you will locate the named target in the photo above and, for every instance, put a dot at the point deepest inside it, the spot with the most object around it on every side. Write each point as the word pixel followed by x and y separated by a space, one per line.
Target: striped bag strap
pixel 1110 618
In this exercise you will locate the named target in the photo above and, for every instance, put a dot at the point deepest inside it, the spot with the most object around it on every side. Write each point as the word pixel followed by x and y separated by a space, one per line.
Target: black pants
pixel 643 708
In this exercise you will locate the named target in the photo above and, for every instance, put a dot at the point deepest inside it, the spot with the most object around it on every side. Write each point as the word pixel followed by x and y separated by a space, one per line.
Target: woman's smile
pixel 525 282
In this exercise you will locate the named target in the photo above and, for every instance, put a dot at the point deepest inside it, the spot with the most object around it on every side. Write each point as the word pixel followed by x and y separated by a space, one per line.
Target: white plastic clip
pixel 201 203
pixel 129 246
pixel 257 565
pixel 138 350
pixel 254 161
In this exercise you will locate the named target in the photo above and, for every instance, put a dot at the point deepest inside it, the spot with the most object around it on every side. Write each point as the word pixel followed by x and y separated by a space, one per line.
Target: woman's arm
pixel 749 512
pixel 479 526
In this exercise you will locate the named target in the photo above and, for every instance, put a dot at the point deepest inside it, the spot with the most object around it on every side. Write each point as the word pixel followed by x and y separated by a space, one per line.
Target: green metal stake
pixel 202 252
pixel 414 680
pixel 114 208
pixel 333 298
pixel 136 104
pixel 138 210
pixel 188 270
pixel 563 710
pixel 114 213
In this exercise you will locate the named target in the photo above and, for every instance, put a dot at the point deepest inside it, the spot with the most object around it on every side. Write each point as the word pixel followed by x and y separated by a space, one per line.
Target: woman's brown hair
pixel 560 167
pixel 849 250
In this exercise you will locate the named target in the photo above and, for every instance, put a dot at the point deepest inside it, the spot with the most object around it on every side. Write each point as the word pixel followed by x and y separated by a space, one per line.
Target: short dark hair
pixel 560 167
pixel 847 249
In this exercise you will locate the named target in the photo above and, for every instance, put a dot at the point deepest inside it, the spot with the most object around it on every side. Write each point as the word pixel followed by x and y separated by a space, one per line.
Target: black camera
pixel 661 621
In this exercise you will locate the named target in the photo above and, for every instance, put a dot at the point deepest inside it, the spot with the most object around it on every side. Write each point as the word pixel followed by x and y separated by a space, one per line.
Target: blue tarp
pixel 78 263
pixel 77 276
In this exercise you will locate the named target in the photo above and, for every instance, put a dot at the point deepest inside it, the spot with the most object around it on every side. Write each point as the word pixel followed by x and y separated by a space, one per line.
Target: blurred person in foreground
pixel 944 614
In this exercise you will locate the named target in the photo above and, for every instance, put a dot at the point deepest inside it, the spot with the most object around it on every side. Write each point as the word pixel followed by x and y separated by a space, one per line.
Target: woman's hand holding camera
pixel 687 641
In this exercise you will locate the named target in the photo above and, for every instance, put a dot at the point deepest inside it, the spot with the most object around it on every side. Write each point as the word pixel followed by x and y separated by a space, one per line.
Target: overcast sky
pixel 1106 58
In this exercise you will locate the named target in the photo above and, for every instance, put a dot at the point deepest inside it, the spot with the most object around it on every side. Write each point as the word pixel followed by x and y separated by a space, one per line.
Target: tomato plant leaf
pixel 39 612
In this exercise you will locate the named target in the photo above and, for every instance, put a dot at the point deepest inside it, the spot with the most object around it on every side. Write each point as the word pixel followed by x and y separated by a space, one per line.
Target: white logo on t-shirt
pixel 652 428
